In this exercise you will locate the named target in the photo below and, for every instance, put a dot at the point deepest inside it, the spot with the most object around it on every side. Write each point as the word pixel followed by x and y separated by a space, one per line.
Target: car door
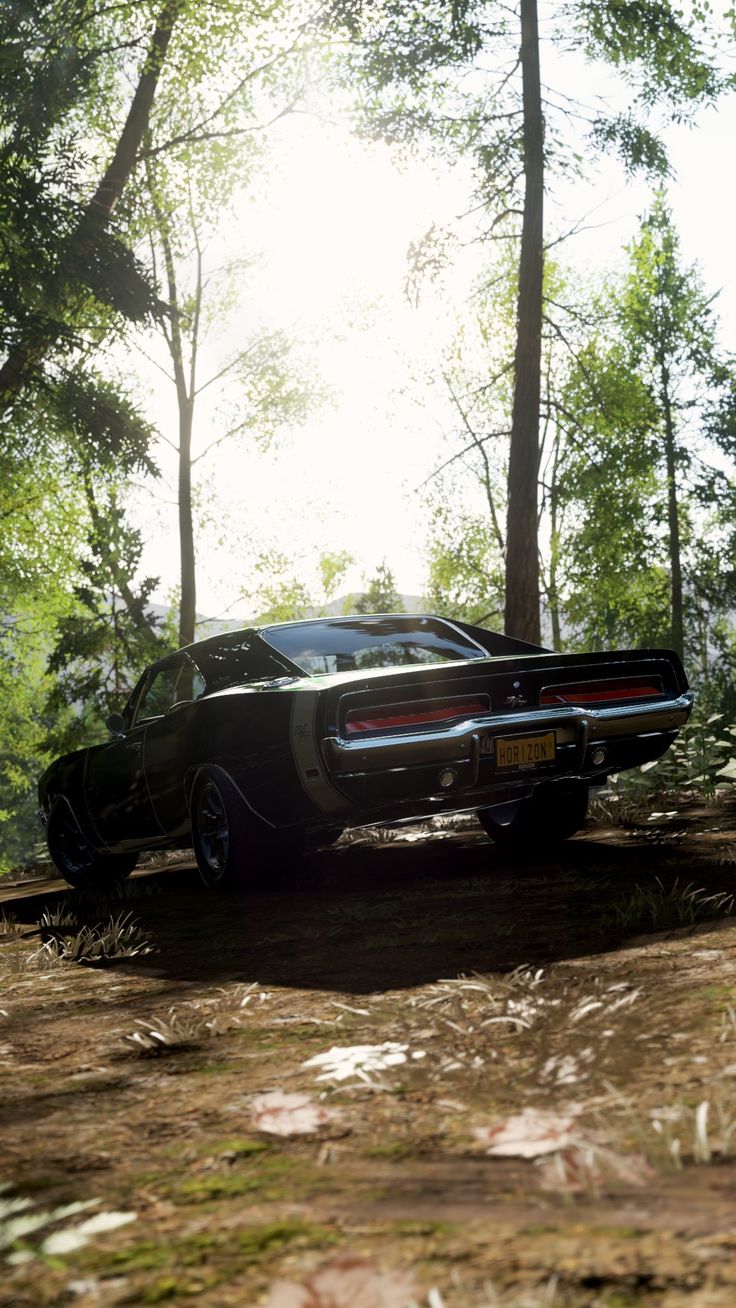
pixel 117 790
pixel 167 750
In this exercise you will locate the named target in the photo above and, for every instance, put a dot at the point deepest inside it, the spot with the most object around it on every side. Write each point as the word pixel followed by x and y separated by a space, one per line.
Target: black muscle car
pixel 271 739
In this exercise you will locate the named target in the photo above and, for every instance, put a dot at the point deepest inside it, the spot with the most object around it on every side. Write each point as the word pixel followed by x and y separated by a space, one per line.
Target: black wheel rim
pixel 75 854
pixel 213 832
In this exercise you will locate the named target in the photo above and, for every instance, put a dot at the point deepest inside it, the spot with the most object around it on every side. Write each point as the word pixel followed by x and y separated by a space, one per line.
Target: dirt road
pixel 486 991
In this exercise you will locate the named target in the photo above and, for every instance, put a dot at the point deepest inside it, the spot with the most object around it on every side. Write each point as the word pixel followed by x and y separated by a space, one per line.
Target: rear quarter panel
pixel 254 735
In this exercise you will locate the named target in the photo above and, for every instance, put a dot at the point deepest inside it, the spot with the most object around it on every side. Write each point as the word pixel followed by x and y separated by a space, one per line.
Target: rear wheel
pixel 234 850
pixel 548 817
pixel 80 864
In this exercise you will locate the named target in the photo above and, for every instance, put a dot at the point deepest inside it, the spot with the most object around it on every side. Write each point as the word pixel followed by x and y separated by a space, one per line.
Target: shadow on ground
pixel 364 919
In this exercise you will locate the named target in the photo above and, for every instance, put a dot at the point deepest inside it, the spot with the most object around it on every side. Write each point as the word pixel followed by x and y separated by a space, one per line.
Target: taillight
pixel 380 717
pixel 601 692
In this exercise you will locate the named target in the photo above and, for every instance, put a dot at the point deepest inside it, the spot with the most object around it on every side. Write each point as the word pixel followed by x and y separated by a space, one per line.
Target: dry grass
pixel 9 929
pixel 185 1026
pixel 96 946
pixel 657 908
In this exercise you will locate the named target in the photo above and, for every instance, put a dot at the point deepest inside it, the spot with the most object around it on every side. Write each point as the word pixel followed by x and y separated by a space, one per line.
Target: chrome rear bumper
pixel 474 738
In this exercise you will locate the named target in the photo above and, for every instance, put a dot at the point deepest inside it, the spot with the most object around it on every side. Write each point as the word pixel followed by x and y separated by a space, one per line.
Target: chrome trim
pixel 463 739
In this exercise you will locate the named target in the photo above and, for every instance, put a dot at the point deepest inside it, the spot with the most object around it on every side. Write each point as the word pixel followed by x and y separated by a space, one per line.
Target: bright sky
pixel 333 225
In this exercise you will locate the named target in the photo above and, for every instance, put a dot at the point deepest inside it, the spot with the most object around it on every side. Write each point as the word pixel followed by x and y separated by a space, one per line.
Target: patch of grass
pixel 217 1250
pixel 19 960
pixel 9 929
pixel 168 1287
pixel 398 1149
pixel 241 1146
pixel 408 1229
pixel 56 917
pixel 256 1241
pixel 271 1179
pixel 94 946
pixel 656 908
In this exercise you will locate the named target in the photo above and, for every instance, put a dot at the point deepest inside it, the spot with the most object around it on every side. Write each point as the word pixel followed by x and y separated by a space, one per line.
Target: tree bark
pixel 522 556
pixel 19 365
pixel 188 601
pixel 185 398
pixel 677 630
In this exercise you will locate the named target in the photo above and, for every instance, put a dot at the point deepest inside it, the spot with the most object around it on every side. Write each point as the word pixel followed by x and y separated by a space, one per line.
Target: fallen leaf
pixel 346 1282
pixel 530 1133
pixel 279 1113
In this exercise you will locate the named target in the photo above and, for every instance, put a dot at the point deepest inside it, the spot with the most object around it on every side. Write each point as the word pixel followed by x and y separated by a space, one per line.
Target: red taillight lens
pixel 600 692
pixel 380 717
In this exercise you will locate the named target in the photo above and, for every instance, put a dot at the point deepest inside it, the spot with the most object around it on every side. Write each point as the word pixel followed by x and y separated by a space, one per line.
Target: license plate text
pixel 525 751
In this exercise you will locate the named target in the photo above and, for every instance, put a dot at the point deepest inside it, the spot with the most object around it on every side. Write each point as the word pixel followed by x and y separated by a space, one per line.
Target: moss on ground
pixel 270 1179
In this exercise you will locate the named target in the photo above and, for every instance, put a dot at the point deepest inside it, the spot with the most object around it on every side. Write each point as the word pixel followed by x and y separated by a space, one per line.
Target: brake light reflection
pixel 410 715
pixel 601 692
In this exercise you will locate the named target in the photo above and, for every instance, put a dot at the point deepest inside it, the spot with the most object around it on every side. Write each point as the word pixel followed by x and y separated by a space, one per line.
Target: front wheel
pixel 80 864
pixel 548 817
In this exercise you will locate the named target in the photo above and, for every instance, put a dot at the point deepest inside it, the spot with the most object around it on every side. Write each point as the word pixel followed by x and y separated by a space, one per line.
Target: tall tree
pixel 254 390
pixel 414 59
pixel 654 400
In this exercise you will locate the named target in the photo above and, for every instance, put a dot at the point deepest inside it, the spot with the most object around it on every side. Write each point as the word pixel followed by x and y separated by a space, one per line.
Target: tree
pixel 465 572
pixel 84 257
pixel 283 594
pixel 192 169
pixel 668 323
pixel 414 58
pixel 109 635
pixel 381 595
pixel 651 469
pixel 261 386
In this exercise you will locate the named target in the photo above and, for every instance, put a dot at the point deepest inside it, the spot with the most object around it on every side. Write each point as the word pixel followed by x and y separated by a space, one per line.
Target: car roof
pixel 271 626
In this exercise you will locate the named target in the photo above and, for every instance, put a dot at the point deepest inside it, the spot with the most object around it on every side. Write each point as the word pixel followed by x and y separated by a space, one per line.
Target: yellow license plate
pixel 525 751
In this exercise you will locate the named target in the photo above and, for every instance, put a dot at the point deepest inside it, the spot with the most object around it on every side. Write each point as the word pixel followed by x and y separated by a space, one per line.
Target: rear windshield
pixel 350 644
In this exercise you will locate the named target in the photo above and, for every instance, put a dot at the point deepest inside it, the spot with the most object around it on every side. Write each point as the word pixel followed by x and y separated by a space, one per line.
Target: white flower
pixel 531 1132
pixel 279 1113
pixel 342 1062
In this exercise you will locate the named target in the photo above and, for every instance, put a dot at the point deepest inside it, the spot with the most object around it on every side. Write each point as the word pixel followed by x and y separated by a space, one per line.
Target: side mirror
pixel 116 724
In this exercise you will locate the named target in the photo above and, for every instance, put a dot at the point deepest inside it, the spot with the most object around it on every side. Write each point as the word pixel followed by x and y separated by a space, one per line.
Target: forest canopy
pixel 276 276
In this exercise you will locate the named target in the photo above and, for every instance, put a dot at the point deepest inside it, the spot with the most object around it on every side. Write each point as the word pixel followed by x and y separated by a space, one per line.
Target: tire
pixel 550 816
pixel 234 851
pixel 82 866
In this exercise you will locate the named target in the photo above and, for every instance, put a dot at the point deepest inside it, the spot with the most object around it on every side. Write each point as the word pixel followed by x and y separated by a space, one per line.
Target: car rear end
pixel 467 735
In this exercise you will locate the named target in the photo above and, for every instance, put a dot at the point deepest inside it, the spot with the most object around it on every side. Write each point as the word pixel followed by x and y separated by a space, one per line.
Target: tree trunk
pixel 677 636
pixel 522 558
pixel 185 398
pixel 188 602
pixel 19 365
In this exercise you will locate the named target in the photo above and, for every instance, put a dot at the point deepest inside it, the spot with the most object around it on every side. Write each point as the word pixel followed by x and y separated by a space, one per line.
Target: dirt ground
pixel 499 987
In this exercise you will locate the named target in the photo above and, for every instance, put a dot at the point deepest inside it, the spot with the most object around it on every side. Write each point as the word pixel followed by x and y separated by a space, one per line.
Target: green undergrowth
pixel 270 1179
pixel 214 1255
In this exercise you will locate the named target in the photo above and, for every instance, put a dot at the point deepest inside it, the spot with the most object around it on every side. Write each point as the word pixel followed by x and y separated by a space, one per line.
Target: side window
pixel 190 684
pixel 158 694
